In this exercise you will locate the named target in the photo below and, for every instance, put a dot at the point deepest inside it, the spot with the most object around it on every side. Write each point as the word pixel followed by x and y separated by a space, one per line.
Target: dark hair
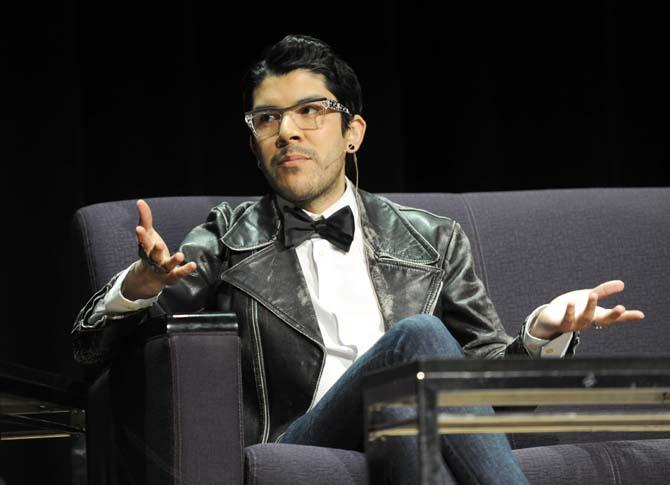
pixel 305 52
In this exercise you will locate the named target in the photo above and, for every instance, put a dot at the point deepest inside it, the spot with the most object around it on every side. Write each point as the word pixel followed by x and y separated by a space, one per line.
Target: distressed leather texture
pixel 419 262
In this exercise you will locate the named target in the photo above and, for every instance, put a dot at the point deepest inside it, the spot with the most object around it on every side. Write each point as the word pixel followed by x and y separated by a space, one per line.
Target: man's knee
pixel 428 332
pixel 421 323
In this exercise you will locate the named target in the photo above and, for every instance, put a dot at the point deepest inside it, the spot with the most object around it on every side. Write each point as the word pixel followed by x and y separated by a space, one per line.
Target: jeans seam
pixel 471 477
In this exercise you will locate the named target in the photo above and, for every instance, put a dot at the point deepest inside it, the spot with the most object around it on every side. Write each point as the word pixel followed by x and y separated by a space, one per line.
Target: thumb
pixel 145 217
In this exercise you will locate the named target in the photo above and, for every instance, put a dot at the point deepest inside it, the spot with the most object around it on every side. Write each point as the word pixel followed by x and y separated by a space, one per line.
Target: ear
pixel 356 132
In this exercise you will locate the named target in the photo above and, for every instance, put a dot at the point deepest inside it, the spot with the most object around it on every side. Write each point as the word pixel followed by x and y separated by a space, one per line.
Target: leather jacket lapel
pixel 389 234
pixel 403 265
pixel 271 273
pixel 257 227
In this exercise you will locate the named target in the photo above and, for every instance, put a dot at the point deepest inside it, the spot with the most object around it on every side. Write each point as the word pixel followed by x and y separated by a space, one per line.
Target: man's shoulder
pixel 420 219
pixel 418 216
pixel 403 229
pixel 251 223
pixel 236 211
pixel 229 220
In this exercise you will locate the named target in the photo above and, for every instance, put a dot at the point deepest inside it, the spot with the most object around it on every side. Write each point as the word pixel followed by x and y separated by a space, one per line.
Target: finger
pixel 608 288
pixel 182 271
pixel 144 239
pixel 588 315
pixel 629 315
pixel 568 318
pixel 605 316
pixel 175 260
pixel 146 219
pixel 159 253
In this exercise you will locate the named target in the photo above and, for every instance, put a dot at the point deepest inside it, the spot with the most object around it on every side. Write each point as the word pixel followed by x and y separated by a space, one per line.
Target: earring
pixel 352 149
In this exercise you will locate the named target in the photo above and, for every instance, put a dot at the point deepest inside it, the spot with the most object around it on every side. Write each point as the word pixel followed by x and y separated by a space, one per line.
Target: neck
pixel 319 204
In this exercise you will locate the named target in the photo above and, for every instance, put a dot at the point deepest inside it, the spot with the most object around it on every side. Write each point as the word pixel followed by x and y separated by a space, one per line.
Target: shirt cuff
pixel 544 348
pixel 115 302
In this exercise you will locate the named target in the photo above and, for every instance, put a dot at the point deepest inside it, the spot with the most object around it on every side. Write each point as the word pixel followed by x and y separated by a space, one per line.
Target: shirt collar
pixel 347 199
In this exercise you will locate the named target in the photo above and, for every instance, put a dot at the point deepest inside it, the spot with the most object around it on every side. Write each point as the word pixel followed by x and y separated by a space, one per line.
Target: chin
pixel 295 196
pixel 292 189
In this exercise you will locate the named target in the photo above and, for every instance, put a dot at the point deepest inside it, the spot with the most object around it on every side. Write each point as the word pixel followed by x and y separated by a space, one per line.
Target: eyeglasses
pixel 307 115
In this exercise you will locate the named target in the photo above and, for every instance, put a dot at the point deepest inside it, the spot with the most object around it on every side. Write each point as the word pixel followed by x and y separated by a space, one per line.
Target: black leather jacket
pixel 418 263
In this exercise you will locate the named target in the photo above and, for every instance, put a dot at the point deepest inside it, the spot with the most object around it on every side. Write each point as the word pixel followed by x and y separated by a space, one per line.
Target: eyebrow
pixel 302 100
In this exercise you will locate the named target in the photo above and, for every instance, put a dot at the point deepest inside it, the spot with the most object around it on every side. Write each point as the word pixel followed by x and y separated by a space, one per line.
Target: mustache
pixel 292 151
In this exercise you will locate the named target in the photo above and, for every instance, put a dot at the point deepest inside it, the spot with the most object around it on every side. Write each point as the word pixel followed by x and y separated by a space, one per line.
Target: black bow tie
pixel 338 228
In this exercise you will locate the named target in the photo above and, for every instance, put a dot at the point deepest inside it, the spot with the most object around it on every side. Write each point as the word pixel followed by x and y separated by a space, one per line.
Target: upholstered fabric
pixel 168 411
pixel 630 462
pixel 529 246
pixel 280 464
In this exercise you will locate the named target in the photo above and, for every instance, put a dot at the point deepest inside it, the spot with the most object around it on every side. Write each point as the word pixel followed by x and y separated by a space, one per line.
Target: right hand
pixel 142 281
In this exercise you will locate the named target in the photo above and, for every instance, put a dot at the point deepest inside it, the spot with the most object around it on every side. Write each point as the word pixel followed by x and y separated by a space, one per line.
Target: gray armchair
pixel 167 407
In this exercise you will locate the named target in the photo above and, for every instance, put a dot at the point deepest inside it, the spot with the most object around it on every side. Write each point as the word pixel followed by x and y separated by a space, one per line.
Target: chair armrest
pixel 168 407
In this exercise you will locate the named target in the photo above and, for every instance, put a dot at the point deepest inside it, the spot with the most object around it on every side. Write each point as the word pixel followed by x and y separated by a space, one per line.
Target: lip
pixel 291 158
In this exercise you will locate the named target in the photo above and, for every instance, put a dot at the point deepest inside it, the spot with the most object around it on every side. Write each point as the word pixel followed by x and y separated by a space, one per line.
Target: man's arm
pixel 546 348
pixel 470 315
pixel 552 328
pixel 106 319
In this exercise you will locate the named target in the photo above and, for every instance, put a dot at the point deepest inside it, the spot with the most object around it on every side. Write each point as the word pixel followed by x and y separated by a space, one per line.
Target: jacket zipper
pixel 261 366
pixel 318 344
pixel 367 267
pixel 323 350
pixel 431 306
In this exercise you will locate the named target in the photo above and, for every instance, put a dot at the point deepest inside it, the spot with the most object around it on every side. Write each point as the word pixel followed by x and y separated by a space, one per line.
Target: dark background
pixel 140 99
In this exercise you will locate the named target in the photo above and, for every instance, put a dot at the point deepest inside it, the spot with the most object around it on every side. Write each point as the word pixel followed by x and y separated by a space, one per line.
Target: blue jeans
pixel 337 420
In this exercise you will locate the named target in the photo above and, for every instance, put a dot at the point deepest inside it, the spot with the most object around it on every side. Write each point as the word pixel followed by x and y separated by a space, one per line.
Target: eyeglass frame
pixel 326 102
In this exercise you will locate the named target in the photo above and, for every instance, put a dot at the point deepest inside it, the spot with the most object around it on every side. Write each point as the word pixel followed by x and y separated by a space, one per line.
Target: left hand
pixel 578 310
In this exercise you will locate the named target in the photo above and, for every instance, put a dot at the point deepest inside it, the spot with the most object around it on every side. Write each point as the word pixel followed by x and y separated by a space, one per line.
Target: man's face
pixel 314 181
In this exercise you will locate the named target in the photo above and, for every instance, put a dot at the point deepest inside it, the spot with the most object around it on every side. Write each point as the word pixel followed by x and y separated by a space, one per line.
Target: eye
pixel 267 117
pixel 310 109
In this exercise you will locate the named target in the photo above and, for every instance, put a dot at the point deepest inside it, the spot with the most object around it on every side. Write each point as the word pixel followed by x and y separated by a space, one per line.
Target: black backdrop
pixel 137 99
pixel 140 99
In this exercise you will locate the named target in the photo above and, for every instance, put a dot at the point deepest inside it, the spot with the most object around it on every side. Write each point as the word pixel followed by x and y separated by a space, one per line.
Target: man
pixel 330 282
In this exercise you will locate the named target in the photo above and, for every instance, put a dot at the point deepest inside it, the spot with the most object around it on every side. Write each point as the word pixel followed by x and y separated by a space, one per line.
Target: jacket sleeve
pixel 94 340
pixel 468 311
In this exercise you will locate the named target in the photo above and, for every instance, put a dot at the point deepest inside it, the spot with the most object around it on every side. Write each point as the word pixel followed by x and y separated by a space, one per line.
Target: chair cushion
pixel 621 462
pixel 284 464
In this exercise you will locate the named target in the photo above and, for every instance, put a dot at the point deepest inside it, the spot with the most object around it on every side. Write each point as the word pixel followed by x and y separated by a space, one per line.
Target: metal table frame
pixel 513 384
pixel 37 404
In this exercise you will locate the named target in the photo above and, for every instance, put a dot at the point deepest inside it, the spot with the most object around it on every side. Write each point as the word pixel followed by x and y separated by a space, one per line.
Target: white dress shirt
pixel 342 294
pixel 343 297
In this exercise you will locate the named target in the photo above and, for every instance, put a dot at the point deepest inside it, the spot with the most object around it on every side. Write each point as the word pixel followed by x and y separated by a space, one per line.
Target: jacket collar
pixel 271 268
pixel 390 234
pixel 385 229
pixel 257 226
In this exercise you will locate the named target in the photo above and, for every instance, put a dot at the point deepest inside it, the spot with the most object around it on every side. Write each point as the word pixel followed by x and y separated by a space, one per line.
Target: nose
pixel 287 128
